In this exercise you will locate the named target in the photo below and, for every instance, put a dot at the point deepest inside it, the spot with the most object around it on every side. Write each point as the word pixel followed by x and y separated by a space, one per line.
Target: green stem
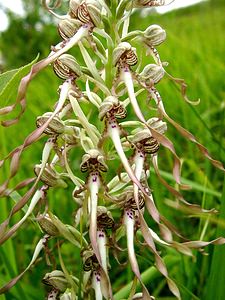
pixel 109 66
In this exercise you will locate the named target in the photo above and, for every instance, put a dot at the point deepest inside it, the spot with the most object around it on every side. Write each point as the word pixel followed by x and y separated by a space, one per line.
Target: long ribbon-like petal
pixel 114 133
pixel 36 68
pixel 39 247
pixel 127 77
pixel 185 132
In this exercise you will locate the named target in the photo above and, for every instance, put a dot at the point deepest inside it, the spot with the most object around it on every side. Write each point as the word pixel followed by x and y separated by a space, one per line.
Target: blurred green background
pixel 195 50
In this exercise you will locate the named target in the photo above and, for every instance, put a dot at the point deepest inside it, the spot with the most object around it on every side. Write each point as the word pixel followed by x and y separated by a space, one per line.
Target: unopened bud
pixel 148 3
pixel 111 105
pixel 71 135
pixel 127 200
pixel 154 35
pixel 138 296
pixel 124 54
pixel 104 218
pixel 47 225
pixel 152 72
pixel 88 11
pixel 56 279
pixel 56 126
pixel 50 177
pixel 90 261
pixel 68 27
pixel 94 9
pixel 74 4
pixel 93 160
pixel 157 125
pixel 66 296
pixel 144 141
pixel 66 67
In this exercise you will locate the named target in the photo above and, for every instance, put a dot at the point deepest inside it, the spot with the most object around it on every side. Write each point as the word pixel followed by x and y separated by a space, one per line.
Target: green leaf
pixel 215 286
pixel 9 82
pixel 194 185
pixel 5 77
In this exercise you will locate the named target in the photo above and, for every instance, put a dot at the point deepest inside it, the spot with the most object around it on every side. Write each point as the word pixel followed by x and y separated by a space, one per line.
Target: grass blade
pixel 215 287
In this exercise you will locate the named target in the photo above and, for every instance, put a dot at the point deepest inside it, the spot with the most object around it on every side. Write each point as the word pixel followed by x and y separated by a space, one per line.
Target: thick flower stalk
pixel 111 203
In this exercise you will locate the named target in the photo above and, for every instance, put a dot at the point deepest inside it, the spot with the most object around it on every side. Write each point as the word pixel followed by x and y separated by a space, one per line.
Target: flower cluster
pixel 112 84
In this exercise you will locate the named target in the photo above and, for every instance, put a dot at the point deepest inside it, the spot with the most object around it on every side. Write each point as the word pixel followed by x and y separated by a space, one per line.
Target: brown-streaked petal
pixel 200 244
pixel 176 193
pixel 40 194
pixel 36 68
pixel 20 204
pixel 192 138
pixel 160 265
pixel 183 86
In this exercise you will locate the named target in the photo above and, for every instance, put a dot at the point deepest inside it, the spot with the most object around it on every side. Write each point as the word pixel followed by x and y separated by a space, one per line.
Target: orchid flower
pixel 92 266
pixel 110 109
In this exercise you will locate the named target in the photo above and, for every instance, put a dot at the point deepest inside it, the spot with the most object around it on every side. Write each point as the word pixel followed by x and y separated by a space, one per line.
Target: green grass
pixel 195 51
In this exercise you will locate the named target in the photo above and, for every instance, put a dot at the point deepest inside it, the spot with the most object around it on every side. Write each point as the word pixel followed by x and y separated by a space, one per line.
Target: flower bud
pixel 148 3
pixel 154 35
pixel 66 296
pixel 56 279
pixel 56 126
pixel 74 4
pixel 68 27
pixel 90 261
pixel 104 218
pixel 71 135
pixel 139 296
pixel 88 11
pixel 66 67
pixel 112 106
pixel 127 201
pixel 145 142
pixel 158 125
pixel 124 54
pixel 152 72
pixel 93 160
pixel 94 9
pixel 47 225
pixel 49 176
